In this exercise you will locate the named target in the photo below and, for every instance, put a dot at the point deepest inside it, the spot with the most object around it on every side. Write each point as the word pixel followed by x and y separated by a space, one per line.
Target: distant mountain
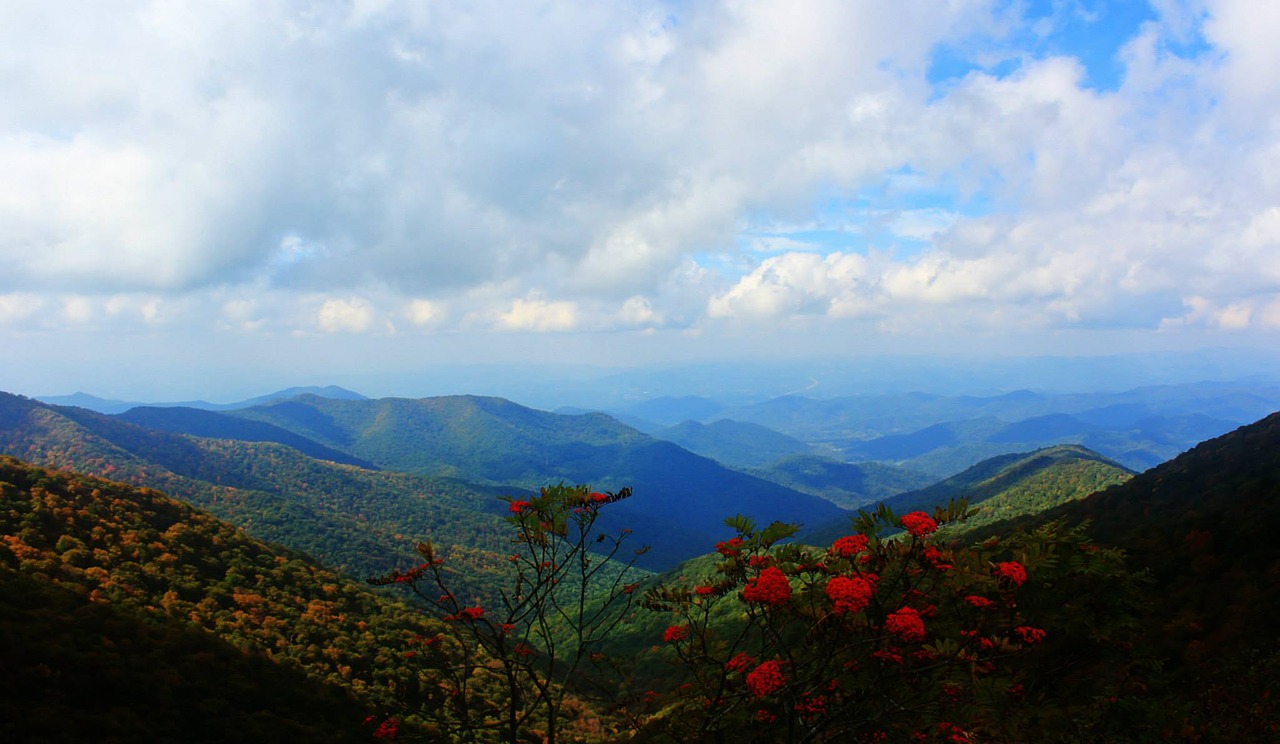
pixel 942 435
pixel 1007 486
pixel 685 497
pixel 847 485
pixel 129 616
pixel 213 425
pixel 734 442
pixel 669 410
pixel 104 405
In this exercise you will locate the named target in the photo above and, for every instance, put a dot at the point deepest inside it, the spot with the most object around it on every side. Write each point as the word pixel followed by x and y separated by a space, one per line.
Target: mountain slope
pixel 358 520
pixel 1007 486
pixel 208 424
pixel 847 485
pixel 161 622
pixel 734 442
pixel 1025 472
pixel 1205 523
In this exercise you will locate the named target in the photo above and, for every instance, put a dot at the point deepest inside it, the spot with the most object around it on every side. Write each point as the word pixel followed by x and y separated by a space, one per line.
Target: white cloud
pixel 351 315
pixel 175 165
pixel 424 312
pixel 638 311
pixel 538 315
pixel 19 306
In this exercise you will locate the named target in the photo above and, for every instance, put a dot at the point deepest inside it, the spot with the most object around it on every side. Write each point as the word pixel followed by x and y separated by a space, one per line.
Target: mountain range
pixel 99 576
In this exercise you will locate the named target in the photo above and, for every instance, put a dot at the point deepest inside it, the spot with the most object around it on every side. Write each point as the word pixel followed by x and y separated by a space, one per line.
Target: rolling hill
pixel 847 485
pixel 735 443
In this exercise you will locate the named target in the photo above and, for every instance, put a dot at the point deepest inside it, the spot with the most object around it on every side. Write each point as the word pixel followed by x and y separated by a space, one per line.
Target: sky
pixel 216 199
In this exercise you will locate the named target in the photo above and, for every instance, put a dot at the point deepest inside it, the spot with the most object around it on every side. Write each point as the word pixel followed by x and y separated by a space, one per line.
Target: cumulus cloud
pixel 648 164
pixel 535 314
pixel 350 315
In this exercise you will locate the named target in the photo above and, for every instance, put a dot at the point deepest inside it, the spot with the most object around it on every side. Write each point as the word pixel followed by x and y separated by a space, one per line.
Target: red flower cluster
pixel 675 633
pixel 1013 571
pixel 905 624
pixel 739 663
pixel 771 587
pixel 766 679
pixel 704 590
pixel 851 595
pixel 730 547
pixel 599 498
pixel 811 705
pixel 981 603
pixel 388 729
pixel 1029 635
pixel 518 507
pixel 935 558
pixel 919 524
pixel 849 545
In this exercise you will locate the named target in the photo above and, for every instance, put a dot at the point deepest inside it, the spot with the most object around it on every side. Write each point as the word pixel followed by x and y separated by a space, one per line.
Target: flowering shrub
pixel 874 638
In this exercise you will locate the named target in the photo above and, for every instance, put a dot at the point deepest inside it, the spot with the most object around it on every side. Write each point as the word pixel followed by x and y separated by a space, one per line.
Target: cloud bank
pixel 383 167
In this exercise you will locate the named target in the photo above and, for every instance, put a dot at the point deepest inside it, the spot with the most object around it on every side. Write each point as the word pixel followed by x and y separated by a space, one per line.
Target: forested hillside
pixel 131 616
pixel 357 520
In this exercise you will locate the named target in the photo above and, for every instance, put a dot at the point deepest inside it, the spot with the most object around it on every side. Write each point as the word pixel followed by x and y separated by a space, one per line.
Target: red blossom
pixel 739 663
pixel 1011 570
pixel 730 547
pixel 935 558
pixel 919 524
pixel 703 591
pixel 850 595
pixel 849 545
pixel 811 705
pixel 471 613
pixel 599 498
pixel 518 507
pixel 1029 635
pixel 675 633
pixel 905 624
pixel 771 587
pixel 981 603
pixel 388 729
pixel 888 655
pixel 766 679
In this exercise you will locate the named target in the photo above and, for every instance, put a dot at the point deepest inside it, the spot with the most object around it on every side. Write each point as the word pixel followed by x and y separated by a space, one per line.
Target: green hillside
pixel 847 485
pixel 357 520
pixel 1008 486
pixel 1024 483
pixel 734 442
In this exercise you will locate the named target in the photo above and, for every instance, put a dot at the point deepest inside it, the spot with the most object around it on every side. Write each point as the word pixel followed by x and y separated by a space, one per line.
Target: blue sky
pixel 243 194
